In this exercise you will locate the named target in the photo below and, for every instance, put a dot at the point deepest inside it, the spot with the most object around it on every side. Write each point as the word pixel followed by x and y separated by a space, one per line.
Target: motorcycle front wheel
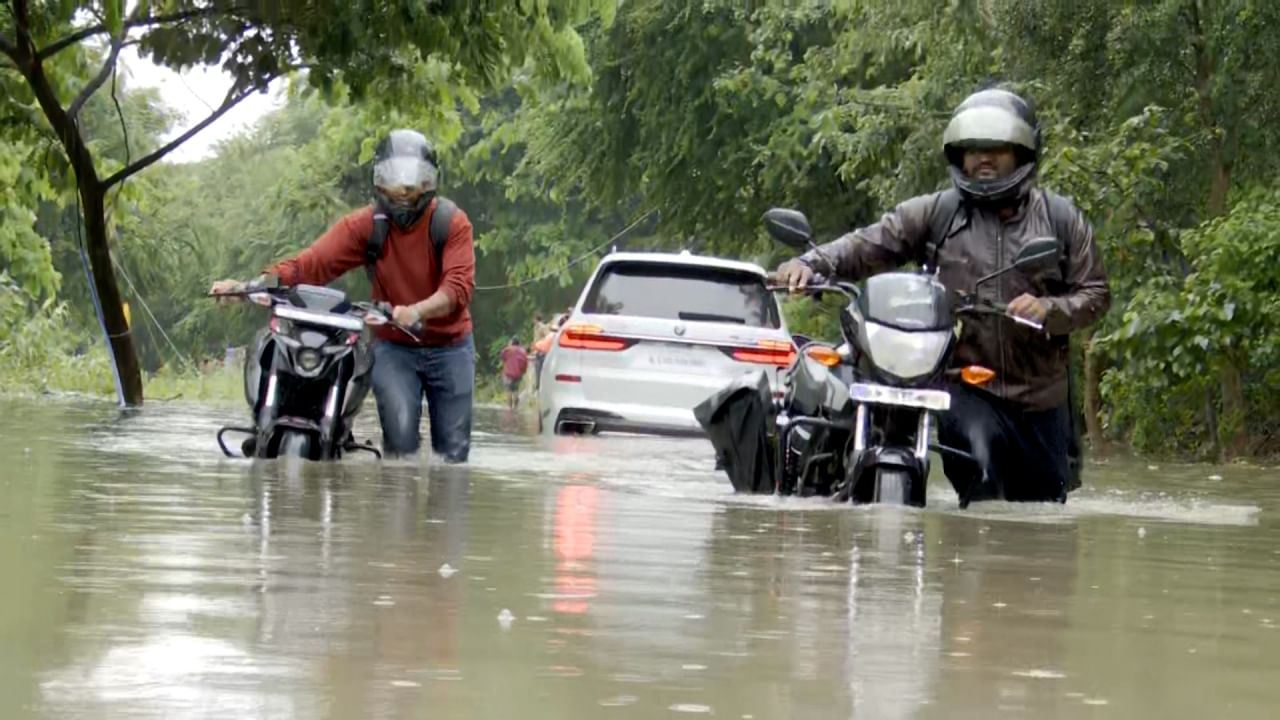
pixel 893 486
pixel 295 444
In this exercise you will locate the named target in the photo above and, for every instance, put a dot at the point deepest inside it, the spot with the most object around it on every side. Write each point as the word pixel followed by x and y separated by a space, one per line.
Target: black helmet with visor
pixel 405 173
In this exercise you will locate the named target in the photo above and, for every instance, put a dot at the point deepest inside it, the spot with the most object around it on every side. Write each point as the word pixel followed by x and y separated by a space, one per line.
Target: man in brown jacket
pixel 1019 426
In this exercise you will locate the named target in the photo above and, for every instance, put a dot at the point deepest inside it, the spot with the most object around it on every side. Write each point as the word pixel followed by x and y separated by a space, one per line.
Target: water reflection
pixel 894 615
pixel 574 532
pixel 147 576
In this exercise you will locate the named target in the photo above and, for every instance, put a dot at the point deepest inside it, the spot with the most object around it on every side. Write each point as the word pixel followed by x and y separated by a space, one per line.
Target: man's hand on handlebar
pixel 405 315
pixel 1029 307
pixel 795 274
pixel 227 291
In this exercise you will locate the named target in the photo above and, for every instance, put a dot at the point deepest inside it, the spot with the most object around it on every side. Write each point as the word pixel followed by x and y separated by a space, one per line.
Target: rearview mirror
pixel 1038 252
pixel 789 227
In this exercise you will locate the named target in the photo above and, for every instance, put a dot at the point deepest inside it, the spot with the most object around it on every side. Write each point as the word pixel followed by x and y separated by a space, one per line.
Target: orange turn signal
pixel 977 375
pixel 825 355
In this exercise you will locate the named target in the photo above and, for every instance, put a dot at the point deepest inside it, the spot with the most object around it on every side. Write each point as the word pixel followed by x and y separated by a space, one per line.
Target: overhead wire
pixel 590 253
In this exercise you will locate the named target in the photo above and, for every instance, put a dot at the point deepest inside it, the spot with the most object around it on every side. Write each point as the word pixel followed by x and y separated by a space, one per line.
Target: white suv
pixel 653 335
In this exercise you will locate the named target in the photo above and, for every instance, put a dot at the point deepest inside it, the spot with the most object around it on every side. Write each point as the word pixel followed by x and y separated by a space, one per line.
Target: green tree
pixel 390 49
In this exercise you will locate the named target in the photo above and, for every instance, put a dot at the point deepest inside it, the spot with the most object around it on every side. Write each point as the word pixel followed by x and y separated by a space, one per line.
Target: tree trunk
pixel 1211 422
pixel 1229 437
pixel 1219 185
pixel 1093 367
pixel 92 193
pixel 1235 440
pixel 104 282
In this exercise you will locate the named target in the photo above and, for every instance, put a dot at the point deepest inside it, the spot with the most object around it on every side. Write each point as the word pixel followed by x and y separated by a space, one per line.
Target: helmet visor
pixel 405 174
pixel 988 126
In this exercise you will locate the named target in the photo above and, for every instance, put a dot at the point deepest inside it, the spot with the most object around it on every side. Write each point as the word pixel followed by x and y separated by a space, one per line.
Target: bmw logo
pixel 679 331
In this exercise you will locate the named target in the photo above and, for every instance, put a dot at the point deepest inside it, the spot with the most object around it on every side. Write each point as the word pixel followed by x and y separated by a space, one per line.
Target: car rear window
pixel 683 292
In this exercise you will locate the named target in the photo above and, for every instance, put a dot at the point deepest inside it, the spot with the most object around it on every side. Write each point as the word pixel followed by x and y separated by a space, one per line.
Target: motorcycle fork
pixel 267 414
pixel 862 428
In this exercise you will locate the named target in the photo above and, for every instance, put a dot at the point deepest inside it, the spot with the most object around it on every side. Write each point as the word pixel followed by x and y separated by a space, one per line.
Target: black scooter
pixel 854 422
pixel 308 372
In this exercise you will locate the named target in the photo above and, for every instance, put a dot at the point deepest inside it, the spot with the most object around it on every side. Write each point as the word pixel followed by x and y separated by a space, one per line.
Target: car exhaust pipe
pixel 576 426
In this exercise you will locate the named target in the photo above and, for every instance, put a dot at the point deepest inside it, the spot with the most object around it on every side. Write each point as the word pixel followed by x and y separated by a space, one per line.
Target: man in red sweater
pixel 421 287
pixel 514 361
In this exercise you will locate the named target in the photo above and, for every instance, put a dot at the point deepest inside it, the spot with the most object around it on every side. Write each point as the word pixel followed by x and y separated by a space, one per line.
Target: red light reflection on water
pixel 574 532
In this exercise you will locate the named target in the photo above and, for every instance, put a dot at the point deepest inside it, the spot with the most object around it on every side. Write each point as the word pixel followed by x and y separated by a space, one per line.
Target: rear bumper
pixel 624 400
pixel 652 421
pixel 624 419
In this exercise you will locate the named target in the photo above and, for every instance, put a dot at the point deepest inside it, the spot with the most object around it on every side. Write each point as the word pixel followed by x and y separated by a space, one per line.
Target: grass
pixel 90 374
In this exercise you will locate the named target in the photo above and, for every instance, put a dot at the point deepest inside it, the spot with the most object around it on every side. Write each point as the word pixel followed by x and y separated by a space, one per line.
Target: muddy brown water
pixel 146 576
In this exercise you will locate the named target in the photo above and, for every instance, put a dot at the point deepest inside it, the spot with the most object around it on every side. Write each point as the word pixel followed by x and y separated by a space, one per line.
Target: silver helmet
pixel 993 118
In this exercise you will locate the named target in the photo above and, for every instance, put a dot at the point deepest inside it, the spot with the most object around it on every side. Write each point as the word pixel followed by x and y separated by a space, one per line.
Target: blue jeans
pixel 401 374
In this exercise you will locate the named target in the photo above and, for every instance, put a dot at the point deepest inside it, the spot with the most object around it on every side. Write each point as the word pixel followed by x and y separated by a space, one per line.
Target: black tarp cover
pixel 739 419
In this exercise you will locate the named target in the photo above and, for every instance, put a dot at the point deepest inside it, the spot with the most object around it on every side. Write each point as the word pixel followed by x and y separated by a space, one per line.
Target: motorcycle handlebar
pixel 999 308
pixel 774 281
pixel 384 309
pixel 818 284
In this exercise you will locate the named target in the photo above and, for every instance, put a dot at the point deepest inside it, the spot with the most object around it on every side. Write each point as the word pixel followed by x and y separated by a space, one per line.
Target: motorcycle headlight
pixel 309 359
pixel 906 354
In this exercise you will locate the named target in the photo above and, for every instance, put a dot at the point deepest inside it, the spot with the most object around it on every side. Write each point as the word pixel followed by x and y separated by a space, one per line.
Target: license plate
pixel 905 397
pixel 675 358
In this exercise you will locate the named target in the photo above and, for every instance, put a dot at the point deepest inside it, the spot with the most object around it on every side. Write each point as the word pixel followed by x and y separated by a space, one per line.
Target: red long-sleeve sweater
pixel 405 274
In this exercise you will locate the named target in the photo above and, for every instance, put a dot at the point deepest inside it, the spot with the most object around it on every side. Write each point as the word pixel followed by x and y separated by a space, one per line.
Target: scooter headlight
pixel 906 355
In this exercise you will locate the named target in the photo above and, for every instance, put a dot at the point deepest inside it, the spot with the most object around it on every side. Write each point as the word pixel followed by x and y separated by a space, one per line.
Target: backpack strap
pixel 441 219
pixel 1060 212
pixel 944 215
pixel 377 239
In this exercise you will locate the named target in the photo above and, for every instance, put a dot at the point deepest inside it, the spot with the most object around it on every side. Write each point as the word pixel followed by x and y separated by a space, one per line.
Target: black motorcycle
pixel 307 372
pixel 854 421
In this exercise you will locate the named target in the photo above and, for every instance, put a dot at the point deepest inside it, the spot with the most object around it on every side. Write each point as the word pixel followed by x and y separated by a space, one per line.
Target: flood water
pixel 146 576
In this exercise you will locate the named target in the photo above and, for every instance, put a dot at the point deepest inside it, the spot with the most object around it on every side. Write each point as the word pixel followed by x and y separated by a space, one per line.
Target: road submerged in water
pixel 148 576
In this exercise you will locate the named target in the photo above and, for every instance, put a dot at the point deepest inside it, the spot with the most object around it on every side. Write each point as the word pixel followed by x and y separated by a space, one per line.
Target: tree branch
pixel 232 99
pixel 107 70
pixel 61 44
pixel 124 130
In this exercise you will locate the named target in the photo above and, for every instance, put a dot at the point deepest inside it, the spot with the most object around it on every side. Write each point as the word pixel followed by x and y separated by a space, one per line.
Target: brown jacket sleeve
pixel 458 271
pixel 340 249
pixel 1089 293
pixel 890 243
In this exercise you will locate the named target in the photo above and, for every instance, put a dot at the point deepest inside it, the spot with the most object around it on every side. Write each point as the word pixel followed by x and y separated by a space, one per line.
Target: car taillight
pixel 766 352
pixel 590 337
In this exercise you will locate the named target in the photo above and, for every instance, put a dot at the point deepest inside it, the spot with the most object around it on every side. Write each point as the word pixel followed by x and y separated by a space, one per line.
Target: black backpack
pixel 441 218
